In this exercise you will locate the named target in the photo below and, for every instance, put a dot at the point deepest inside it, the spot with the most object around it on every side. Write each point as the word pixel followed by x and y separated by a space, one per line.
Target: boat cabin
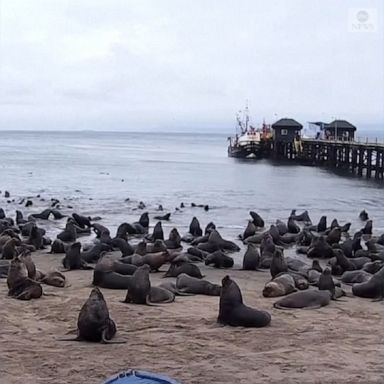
pixel 339 129
pixel 285 130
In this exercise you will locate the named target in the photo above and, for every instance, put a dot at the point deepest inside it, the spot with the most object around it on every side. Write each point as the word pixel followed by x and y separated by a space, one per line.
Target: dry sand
pixel 341 343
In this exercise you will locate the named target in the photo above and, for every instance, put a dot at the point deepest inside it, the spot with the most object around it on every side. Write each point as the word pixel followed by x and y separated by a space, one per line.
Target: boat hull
pixel 248 151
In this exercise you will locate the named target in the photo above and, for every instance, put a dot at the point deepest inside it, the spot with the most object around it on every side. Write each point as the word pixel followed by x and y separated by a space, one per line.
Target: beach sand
pixel 341 343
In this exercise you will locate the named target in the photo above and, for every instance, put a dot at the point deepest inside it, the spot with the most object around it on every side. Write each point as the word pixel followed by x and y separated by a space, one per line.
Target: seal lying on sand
pixel 310 298
pixel 94 323
pixel 373 288
pixel 281 285
pixel 188 284
pixel 175 269
pixel 233 312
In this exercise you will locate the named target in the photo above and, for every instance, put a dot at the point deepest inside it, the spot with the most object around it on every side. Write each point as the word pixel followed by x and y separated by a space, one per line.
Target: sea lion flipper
pixel 149 302
pixel 106 341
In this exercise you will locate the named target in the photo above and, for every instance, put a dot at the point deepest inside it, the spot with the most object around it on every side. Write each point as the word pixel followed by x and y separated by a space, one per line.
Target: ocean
pixel 95 173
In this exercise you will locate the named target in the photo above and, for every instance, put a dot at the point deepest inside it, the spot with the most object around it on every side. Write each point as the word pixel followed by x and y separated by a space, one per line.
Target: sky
pixel 188 64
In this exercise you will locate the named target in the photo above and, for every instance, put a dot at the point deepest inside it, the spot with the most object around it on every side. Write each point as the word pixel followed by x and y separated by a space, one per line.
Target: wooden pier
pixel 364 159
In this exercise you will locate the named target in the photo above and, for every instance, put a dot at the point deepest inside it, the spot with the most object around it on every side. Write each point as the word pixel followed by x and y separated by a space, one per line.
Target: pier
pixel 364 159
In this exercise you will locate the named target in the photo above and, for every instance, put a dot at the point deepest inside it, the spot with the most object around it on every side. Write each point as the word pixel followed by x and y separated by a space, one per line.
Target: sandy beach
pixel 341 343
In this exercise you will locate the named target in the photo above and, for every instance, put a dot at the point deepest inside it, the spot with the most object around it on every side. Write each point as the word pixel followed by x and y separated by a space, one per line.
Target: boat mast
pixel 246 112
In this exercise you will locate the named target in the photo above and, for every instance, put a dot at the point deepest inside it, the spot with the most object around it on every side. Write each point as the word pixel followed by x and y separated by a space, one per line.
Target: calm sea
pixel 95 172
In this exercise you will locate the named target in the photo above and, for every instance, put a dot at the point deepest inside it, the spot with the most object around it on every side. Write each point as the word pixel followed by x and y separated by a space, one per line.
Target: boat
pixel 248 144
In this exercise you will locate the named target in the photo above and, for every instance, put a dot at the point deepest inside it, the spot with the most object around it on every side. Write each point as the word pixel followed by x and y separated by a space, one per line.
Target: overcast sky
pixel 169 64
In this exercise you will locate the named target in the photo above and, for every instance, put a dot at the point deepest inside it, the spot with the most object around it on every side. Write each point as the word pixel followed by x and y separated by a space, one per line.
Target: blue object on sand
pixel 139 377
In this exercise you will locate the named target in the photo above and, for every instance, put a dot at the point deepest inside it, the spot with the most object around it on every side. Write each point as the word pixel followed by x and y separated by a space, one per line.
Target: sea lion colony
pixel 356 259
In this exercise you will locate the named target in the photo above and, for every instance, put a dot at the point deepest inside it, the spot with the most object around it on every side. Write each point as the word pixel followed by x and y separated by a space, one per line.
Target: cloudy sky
pixel 188 64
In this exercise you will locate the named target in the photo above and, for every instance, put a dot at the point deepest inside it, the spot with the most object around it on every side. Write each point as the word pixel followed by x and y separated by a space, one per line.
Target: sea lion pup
pixel 99 229
pixel 94 323
pixel 334 236
pixel 367 230
pixel 44 215
pixel 93 254
pixel 320 249
pixel 278 264
pixel 124 247
pixel 251 259
pixel 310 299
pixel 301 217
pixel 326 283
pixel 281 285
pixel 193 285
pixel 139 288
pixel 175 269
pixel 20 286
pixel 373 288
pixel 194 228
pixel 9 248
pixel 174 240
pixel 355 277
pixel 73 259
pixel 36 237
pixel 292 226
pixel 69 234
pixel 256 219
pixel 232 310
pixel 249 231
pixel 218 259
pixel 363 216
pixel 82 221
pixel 165 217
pixel 53 278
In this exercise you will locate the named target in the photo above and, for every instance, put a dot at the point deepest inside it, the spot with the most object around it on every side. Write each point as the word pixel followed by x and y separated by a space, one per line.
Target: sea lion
pixel 94 323
pixel 320 249
pixel 2 214
pixel 123 268
pixel 69 234
pixel 301 217
pixel 99 229
pixel 187 268
pixel 251 259
pixel 232 310
pixel 280 286
pixel 26 228
pixel 292 226
pixel 219 260
pixel 310 299
pixel 158 233
pixel 9 248
pixel 278 264
pixel 316 266
pixel 20 286
pixel 257 219
pixel 326 282
pixel 373 288
pixel 93 254
pixel 215 238
pixel 54 278
pixel 156 260
pixel 171 286
pixel 174 239
pixel 188 284
pixel 281 227
pixel 157 246
pixel 81 221
pixel 194 228
pixel 36 237
pixel 343 261
pixel 57 215
pixel 73 259
pixel 363 216
pixel 373 267
pixel 161 295
pixel 367 230
pixel 165 217
pixel 20 218
pixel 334 236
pixel 354 277
pixel 250 230
pixel 44 215
pixel 125 248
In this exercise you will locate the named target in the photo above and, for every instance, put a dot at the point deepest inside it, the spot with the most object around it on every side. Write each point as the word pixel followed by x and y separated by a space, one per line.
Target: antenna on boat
pixel 246 112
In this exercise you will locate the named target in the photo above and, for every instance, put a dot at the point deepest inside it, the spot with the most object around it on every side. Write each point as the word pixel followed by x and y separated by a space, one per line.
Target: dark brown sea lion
pixel 232 310
pixel 174 239
pixel 281 227
pixel 175 269
pixel 373 288
pixel 301 217
pixel 367 230
pixel 54 278
pixel 188 284
pixel 334 236
pixel 355 277
pixel 99 229
pixel 363 216
pixel 81 221
pixel 73 259
pixel 125 248
pixel 251 259
pixel 20 286
pixel 58 246
pixel 158 233
pixel 9 248
pixel 94 323
pixel 194 228
pixel 310 299
pixel 93 254
pixel 218 259
pixel 292 226
pixel 281 285
pixel 320 249
pixel 44 215
pixel 69 234
pixel 257 220
pixel 326 282
pixel 165 217
pixel 36 237
pixel 156 260
pixel 57 214
pixel 278 264
pixel 249 231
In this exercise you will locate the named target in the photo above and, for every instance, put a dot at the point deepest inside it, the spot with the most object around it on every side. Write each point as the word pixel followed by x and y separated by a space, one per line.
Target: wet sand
pixel 341 343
